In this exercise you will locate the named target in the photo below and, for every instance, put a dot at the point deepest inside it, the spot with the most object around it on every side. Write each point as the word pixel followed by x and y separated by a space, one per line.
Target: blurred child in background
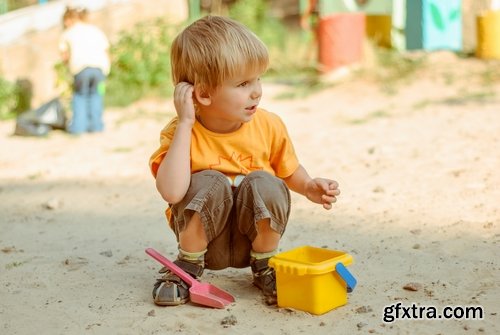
pixel 85 49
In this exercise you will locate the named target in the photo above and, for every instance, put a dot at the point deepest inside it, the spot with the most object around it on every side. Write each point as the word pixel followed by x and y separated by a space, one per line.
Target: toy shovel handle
pixel 346 276
pixel 171 266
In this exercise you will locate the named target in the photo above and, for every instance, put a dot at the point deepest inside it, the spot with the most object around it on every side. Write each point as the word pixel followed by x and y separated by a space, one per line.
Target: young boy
pixel 224 165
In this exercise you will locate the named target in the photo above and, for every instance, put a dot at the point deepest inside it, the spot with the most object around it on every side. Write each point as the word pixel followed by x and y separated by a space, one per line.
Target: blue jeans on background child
pixel 87 103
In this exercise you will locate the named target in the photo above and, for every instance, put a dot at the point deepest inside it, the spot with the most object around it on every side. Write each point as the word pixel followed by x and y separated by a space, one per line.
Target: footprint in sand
pixel 75 263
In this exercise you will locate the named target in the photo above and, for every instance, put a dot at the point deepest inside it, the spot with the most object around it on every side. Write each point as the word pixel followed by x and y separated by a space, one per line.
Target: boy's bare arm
pixel 174 173
pixel 319 190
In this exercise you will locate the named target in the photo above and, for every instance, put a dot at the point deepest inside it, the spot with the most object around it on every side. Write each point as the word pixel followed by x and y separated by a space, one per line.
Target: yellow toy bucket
pixel 488 35
pixel 313 280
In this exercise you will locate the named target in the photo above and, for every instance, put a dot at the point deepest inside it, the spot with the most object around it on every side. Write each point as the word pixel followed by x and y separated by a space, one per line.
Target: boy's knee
pixel 266 196
pixel 268 186
pixel 262 179
pixel 204 186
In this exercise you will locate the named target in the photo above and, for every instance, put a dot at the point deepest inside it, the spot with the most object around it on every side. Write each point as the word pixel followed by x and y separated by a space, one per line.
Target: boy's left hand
pixel 322 191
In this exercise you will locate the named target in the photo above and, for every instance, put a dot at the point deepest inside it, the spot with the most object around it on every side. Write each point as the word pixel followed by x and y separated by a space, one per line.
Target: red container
pixel 340 40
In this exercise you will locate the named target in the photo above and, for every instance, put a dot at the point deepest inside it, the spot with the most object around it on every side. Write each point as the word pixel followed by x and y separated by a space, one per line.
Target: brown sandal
pixel 264 277
pixel 170 290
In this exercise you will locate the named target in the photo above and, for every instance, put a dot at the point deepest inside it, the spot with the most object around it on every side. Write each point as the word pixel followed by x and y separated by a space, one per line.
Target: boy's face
pixel 233 103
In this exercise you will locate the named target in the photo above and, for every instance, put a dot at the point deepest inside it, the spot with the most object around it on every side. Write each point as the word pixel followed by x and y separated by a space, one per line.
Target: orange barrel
pixel 340 40
pixel 488 35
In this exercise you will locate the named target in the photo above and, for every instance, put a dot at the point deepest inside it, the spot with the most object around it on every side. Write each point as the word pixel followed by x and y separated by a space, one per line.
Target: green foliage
pixel 141 58
pixel 252 14
pixel 141 63
pixel 255 15
pixel 63 80
pixel 8 99
pixel 290 54
pixel 11 5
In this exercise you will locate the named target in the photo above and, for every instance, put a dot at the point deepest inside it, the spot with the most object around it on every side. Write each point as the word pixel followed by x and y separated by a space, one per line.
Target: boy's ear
pixel 202 96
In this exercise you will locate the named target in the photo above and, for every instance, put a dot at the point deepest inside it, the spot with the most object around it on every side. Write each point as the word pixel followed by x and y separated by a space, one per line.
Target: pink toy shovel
pixel 200 293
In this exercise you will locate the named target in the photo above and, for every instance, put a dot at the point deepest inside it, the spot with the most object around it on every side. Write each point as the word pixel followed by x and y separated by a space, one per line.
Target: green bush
pixel 8 99
pixel 141 58
pixel 141 63
pixel 290 54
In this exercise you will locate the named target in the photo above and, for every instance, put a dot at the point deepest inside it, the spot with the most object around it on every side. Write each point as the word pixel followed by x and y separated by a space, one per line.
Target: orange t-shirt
pixel 260 144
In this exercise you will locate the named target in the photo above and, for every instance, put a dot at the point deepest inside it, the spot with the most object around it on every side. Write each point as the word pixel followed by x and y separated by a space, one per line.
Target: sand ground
pixel 418 170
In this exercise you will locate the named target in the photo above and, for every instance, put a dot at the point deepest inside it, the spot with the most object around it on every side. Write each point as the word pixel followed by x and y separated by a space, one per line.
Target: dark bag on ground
pixel 40 121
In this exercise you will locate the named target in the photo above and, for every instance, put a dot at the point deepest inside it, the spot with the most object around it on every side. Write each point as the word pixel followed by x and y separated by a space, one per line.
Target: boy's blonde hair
pixel 214 49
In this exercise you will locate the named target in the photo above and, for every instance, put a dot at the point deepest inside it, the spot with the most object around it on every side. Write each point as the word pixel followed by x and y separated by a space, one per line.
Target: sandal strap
pixel 193 269
pixel 259 265
pixel 170 277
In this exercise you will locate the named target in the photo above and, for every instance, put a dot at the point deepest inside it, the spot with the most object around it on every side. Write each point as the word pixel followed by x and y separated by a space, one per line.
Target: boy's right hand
pixel 183 102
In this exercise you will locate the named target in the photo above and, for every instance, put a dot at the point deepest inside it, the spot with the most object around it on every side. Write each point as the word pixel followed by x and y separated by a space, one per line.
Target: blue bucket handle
pixel 346 276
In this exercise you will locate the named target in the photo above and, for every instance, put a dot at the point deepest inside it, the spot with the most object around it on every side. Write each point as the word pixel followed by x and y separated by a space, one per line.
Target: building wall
pixel 29 37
